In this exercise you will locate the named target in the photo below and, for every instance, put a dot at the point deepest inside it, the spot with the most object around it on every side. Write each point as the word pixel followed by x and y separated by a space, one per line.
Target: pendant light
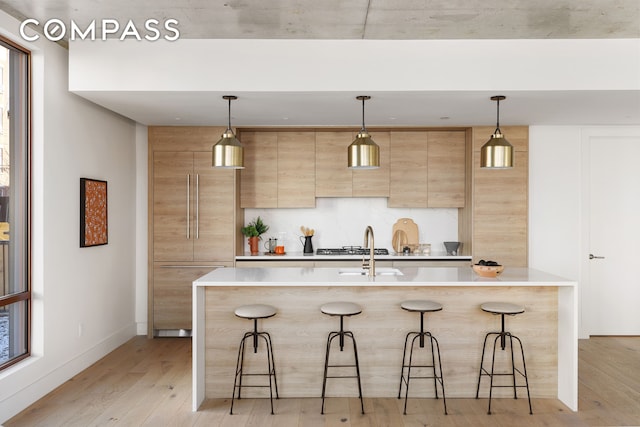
pixel 227 153
pixel 363 153
pixel 497 153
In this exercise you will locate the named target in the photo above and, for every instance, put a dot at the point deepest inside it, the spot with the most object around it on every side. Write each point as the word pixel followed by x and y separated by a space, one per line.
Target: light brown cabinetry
pixel 279 169
pixel 427 169
pixel 335 179
pixel 194 220
pixel 193 208
pixel 495 224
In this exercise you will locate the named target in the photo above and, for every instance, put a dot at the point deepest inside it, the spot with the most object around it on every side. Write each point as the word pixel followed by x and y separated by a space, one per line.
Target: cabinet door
pixel 172 294
pixel 373 182
pixel 296 170
pixel 333 177
pixel 446 169
pixel 172 225
pixel 259 178
pixel 213 211
pixel 500 213
pixel 500 202
pixel 408 173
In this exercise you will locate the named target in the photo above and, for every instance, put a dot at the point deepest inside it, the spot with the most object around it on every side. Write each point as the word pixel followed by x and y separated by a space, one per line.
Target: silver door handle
pixel 197 206
pixel 592 256
pixel 188 206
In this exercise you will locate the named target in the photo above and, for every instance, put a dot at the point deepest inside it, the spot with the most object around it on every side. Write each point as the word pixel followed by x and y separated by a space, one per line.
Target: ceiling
pixel 366 19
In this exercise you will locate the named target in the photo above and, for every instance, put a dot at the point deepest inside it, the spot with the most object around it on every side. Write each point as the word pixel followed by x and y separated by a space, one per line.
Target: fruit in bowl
pixel 487 268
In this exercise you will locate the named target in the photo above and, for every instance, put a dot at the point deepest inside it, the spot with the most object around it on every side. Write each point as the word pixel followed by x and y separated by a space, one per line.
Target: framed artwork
pixel 93 212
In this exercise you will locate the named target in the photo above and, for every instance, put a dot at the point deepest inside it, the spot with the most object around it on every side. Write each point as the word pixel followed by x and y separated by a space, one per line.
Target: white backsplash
pixel 341 221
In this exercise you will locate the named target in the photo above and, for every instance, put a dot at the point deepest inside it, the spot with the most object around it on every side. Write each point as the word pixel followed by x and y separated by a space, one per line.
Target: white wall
pixel 557 216
pixel 83 298
pixel 142 245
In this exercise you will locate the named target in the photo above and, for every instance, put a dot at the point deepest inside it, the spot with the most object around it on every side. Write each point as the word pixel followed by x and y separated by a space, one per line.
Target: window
pixel 15 289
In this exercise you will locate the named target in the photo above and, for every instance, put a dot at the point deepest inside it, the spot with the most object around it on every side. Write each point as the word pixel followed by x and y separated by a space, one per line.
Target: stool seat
pixel 502 308
pixel 421 305
pixel 255 311
pixel 341 308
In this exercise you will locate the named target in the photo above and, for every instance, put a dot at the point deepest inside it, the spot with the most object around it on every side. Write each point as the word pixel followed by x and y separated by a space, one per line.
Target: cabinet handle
pixel 188 204
pixel 197 206
pixel 192 266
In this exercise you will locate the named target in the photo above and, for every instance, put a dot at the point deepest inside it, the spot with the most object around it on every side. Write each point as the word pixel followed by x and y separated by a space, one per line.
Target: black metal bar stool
pixel 341 309
pixel 502 309
pixel 422 307
pixel 255 312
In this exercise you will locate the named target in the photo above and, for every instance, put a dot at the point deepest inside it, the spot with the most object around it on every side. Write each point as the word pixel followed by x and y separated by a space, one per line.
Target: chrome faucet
pixel 371 263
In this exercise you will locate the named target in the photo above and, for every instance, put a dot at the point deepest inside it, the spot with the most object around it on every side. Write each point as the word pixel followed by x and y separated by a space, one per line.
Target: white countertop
pixel 427 276
pixel 299 256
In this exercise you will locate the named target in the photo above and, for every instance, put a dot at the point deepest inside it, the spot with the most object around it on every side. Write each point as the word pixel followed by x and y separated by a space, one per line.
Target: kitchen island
pixel 548 328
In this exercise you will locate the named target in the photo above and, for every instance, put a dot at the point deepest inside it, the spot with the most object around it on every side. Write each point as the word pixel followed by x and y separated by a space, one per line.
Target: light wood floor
pixel 148 383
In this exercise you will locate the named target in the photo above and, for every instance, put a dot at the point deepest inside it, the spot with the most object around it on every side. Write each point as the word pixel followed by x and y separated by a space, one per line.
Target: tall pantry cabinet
pixel 194 220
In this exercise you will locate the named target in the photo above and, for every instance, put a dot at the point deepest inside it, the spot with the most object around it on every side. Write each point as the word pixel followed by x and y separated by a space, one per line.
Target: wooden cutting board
pixel 404 227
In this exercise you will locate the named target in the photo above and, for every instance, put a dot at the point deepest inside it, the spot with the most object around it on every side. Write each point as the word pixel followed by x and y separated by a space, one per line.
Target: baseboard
pixel 31 389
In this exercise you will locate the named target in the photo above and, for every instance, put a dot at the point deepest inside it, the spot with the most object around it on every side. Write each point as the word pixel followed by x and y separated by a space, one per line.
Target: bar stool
pixel 502 309
pixel 341 309
pixel 255 312
pixel 422 307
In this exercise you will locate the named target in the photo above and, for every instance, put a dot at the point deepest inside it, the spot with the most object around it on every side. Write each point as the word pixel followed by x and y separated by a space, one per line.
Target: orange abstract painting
pixel 93 212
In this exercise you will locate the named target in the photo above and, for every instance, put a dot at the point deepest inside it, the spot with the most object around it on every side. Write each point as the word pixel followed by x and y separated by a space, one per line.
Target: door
pixel 173 181
pixel 213 211
pixel 614 228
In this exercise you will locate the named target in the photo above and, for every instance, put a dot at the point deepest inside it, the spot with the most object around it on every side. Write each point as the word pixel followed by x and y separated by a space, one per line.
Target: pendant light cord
pixel 229 128
pixel 363 128
pixel 497 113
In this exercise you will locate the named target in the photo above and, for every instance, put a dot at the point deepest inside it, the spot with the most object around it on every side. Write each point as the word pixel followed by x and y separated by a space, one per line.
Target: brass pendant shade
pixel 363 153
pixel 497 153
pixel 228 152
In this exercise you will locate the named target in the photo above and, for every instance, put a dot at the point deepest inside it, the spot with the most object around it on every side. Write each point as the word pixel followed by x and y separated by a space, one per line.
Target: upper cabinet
pixel 427 169
pixel 495 224
pixel 279 169
pixel 290 168
pixel 335 179
pixel 193 208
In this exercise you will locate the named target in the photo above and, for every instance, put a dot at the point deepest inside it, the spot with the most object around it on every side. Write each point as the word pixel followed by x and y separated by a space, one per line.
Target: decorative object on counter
pixel 253 231
pixel 363 153
pixel 305 239
pixel 502 308
pixel 399 240
pixel 497 153
pixel 487 268
pixel 93 212
pixel 424 248
pixel 405 233
pixel 270 245
pixel 452 247
pixel 228 152
pixel 280 250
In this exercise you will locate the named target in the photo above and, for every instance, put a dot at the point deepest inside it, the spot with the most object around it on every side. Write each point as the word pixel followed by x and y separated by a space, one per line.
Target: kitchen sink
pixel 363 272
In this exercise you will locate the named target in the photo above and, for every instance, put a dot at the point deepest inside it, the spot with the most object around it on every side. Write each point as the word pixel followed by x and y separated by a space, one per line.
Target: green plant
pixel 255 228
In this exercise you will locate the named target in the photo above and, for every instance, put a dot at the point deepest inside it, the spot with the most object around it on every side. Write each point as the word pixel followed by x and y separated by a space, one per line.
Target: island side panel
pixel 299 332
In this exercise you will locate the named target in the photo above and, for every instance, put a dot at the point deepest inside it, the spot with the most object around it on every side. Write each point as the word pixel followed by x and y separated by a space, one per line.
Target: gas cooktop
pixel 351 250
